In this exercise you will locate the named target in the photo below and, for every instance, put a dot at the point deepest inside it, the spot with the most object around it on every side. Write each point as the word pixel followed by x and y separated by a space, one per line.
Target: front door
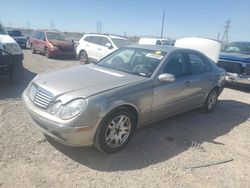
pixel 173 97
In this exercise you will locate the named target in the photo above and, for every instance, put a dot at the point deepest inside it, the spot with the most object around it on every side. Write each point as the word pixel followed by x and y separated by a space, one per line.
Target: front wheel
pixel 83 57
pixel 33 50
pixel 46 52
pixel 115 131
pixel 211 101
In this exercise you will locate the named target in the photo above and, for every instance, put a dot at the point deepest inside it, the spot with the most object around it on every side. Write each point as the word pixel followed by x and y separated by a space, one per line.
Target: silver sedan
pixel 103 104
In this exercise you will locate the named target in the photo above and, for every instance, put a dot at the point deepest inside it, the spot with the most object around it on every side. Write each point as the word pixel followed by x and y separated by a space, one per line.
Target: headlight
pixel 52 47
pixel 72 109
pixel 12 48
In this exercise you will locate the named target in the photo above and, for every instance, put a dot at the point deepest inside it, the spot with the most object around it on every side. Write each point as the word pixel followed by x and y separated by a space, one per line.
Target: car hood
pixel 87 80
pixel 210 48
pixel 235 57
pixel 62 43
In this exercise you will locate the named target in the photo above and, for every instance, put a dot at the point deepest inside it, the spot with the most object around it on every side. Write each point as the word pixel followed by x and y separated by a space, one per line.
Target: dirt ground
pixel 155 157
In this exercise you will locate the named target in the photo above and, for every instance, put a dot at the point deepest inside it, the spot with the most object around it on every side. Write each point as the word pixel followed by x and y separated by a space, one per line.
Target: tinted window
pixel 92 39
pixel 198 64
pixel 158 42
pixel 14 33
pixel 55 36
pixel 103 41
pixel 37 34
pixel 42 36
pixel 176 65
pixel 121 42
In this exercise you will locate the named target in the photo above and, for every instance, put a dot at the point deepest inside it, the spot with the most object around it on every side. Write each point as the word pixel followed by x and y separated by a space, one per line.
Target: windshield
pixel 2 30
pixel 55 36
pixel 14 33
pixel 121 42
pixel 135 61
pixel 238 47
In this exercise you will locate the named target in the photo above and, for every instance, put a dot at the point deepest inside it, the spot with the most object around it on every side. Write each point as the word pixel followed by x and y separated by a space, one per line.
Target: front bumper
pixel 237 78
pixel 60 53
pixel 59 131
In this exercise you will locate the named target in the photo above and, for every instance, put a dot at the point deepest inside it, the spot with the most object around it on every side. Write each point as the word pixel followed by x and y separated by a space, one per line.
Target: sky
pixel 184 18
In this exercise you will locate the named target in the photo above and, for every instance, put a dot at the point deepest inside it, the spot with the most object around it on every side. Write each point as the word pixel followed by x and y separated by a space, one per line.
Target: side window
pixel 176 65
pixel 103 41
pixel 37 35
pixel 88 39
pixel 42 36
pixel 198 64
pixel 95 40
pixel 158 42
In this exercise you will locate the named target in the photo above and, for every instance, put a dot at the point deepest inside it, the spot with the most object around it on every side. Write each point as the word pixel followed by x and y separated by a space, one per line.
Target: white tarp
pixel 211 48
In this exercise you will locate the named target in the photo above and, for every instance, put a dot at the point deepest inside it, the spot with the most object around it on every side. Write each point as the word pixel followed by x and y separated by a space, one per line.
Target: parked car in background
pixel 102 104
pixel 18 37
pixel 52 44
pixel 11 56
pixel 154 41
pixel 235 59
pixel 93 47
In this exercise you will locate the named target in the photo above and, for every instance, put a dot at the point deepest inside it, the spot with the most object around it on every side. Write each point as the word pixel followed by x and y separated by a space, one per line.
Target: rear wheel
pixel 83 57
pixel 115 131
pixel 211 101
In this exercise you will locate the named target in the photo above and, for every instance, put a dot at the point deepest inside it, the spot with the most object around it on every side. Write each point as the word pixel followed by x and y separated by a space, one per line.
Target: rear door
pixel 203 77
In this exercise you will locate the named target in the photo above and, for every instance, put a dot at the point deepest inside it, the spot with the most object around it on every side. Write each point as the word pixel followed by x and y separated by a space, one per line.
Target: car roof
pixel 104 35
pixel 154 47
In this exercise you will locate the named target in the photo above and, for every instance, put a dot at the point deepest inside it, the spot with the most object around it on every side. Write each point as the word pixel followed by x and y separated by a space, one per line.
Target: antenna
pixel 162 25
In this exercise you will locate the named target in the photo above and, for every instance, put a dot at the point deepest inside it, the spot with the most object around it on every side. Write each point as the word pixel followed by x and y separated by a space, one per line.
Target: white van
pixel 153 41
pixel 11 56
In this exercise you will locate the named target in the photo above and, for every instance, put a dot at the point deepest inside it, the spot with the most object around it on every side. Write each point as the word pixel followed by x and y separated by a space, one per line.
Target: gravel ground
pixel 155 157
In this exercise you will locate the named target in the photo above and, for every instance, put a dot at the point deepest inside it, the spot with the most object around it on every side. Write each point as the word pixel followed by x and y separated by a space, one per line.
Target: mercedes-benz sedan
pixel 103 104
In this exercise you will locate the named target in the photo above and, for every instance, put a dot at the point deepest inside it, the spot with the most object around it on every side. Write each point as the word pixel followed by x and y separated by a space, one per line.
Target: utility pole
pixel 162 25
pixel 52 25
pixel 225 37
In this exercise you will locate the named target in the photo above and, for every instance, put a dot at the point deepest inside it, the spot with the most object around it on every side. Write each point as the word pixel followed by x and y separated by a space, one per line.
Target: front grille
pixel 66 49
pixel 39 96
pixel 232 67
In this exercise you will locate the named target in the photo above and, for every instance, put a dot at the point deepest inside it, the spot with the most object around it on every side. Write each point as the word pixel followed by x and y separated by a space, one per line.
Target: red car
pixel 52 44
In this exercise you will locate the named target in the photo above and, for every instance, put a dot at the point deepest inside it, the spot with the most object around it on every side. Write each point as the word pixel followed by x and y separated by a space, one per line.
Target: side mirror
pixel 166 77
pixel 109 45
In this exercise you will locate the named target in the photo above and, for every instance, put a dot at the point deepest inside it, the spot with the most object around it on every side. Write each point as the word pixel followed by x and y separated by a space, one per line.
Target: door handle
pixel 188 83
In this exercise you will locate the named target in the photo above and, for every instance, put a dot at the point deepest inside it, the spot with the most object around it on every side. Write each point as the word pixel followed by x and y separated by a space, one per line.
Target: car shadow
pixel 239 87
pixel 163 140
pixel 12 90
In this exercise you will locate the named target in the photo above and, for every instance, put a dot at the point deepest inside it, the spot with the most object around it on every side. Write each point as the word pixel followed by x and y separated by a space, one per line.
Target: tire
pixel 211 101
pixel 16 72
pixel 83 57
pixel 33 49
pixel 111 136
pixel 46 53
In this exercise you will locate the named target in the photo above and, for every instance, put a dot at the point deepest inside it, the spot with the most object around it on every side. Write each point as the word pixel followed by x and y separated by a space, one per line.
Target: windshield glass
pixel 2 30
pixel 121 42
pixel 238 47
pixel 55 36
pixel 135 61
pixel 14 33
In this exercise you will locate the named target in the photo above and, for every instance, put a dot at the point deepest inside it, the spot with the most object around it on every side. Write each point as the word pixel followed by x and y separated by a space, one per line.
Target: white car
pixel 153 41
pixel 93 47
